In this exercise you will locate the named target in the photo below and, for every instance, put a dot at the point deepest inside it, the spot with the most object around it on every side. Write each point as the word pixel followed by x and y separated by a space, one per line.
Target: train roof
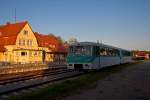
pixel 95 44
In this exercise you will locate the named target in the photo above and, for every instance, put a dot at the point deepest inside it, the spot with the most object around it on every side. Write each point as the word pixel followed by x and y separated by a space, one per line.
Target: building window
pixel 40 53
pixel 52 46
pixel 35 53
pixel 30 42
pixel 23 42
pixel 30 53
pixel 25 32
pixel 20 42
pixel 23 53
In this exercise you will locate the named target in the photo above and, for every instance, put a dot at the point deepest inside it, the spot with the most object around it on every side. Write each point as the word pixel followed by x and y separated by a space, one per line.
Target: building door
pixel 24 57
pixel 43 56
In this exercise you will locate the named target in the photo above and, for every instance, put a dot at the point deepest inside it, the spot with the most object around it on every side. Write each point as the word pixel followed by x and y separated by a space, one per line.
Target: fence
pixel 17 68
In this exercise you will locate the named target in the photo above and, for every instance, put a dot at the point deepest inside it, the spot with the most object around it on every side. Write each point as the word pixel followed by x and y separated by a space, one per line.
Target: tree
pixel 72 40
pixel 52 35
pixel 60 40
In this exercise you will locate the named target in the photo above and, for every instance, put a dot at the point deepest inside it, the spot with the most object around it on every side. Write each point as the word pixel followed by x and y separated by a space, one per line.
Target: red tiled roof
pixel 9 32
pixel 10 40
pixel 51 42
pixel 2 49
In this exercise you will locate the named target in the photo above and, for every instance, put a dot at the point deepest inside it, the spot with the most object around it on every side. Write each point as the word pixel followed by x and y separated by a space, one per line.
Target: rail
pixel 33 83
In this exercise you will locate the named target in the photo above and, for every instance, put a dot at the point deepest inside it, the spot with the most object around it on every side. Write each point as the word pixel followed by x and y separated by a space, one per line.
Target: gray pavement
pixel 133 83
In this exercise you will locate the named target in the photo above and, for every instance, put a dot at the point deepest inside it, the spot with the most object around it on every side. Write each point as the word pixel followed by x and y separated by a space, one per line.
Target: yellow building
pixel 19 44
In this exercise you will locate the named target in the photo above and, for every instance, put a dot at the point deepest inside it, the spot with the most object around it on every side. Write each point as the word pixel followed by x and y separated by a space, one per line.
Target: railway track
pixel 26 82
pixel 30 75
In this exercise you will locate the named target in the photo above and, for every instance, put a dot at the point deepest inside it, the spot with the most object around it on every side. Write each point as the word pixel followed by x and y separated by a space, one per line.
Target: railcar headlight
pixel 86 65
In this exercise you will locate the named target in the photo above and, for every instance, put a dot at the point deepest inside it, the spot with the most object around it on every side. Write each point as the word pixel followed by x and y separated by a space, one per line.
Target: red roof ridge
pixel 11 29
pixel 9 23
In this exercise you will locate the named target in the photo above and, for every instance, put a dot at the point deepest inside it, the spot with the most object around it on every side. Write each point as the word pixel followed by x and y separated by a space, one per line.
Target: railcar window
pixel 80 50
pixel 109 52
pixel 116 52
pixel 126 53
pixel 103 51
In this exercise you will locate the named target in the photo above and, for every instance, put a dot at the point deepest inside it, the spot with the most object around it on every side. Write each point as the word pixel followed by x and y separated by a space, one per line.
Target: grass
pixel 69 86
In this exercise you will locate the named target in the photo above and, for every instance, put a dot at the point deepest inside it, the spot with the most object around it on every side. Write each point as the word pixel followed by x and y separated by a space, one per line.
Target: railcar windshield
pixel 80 50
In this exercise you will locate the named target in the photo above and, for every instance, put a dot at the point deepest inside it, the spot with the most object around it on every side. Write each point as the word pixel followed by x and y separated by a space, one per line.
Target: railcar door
pixel 96 62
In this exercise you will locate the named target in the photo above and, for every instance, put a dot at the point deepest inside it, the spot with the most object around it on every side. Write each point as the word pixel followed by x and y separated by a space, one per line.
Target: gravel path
pixel 133 83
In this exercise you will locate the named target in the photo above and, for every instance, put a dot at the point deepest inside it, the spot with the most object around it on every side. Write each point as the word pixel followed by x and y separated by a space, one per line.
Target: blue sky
pixel 122 23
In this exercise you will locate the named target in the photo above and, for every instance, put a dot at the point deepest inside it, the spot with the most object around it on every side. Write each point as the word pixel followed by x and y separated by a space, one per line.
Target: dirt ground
pixel 133 83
